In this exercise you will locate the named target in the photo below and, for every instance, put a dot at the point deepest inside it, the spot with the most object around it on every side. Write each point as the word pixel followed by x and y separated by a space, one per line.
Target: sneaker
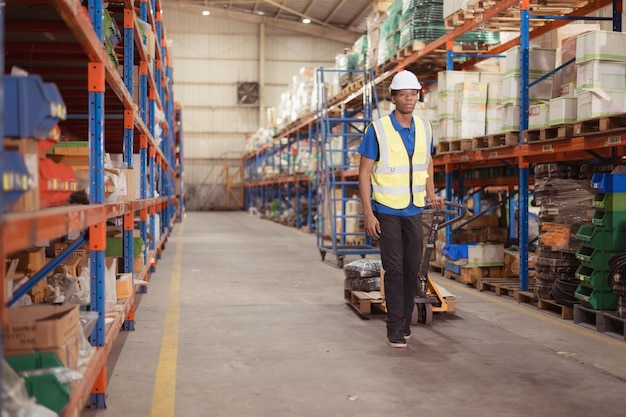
pixel 406 328
pixel 395 340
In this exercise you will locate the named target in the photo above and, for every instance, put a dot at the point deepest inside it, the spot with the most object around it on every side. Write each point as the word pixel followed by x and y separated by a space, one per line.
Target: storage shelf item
pixel 609 183
pixel 113 95
pixel 602 238
pixel 610 201
pixel 615 220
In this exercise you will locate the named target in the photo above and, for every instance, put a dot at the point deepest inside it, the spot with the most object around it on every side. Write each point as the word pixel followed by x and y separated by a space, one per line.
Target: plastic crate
pixel 46 388
pixel 602 238
pixel 598 259
pixel 596 299
pixel 610 201
pixel 15 178
pixel 56 183
pixel 609 183
pixel 591 277
pixel 611 219
pixel 32 108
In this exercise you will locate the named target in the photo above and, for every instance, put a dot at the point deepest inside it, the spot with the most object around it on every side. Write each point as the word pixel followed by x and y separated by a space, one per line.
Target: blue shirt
pixel 369 149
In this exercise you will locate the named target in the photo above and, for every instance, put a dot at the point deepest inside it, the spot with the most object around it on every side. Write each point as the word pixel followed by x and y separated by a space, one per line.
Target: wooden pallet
pixel 365 303
pixel 435 267
pixel 495 140
pixel 501 286
pixel 602 321
pixel 602 124
pixel 463 279
pixel 548 133
pixel 527 297
pixel 565 312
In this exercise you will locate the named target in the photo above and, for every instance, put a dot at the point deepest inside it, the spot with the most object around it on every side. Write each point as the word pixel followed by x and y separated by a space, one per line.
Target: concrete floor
pixel 263 331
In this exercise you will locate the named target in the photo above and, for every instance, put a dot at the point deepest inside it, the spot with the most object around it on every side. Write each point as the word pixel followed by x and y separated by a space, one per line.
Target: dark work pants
pixel 401 247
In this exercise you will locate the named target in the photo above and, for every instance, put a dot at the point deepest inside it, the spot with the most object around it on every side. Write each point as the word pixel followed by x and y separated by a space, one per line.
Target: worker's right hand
pixel 372 226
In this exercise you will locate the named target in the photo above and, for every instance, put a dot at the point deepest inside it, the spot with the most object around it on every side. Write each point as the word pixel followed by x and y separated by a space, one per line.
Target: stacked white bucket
pixel 600 74
pixel 541 62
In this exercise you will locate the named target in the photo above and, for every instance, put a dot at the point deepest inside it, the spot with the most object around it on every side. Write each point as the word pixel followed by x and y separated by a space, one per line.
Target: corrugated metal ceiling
pixel 342 15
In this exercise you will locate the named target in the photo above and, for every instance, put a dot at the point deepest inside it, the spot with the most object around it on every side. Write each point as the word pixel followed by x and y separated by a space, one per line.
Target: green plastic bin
pixel 47 389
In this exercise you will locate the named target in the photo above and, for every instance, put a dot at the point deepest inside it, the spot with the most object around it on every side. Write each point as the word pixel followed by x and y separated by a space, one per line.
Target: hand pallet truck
pixel 429 298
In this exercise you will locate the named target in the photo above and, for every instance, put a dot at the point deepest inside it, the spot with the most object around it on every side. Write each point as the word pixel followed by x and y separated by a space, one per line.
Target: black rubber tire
pixel 425 313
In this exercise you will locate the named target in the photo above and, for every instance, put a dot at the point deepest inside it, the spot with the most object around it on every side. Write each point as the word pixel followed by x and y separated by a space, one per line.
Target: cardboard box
pixel 486 220
pixel 447 80
pixel 46 328
pixel 538 116
pixel 138 263
pixel 562 110
pixel 541 60
pixel 124 285
pixel 485 255
pixel 601 44
pixel 606 75
pixel 497 234
pixel 595 103
pixel 31 261
pixel 469 129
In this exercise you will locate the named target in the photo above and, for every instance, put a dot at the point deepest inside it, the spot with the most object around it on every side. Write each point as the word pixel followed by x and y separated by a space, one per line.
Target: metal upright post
pixel 523 166
pixel 617 15
pixel 97 233
pixel 152 211
pixel 129 128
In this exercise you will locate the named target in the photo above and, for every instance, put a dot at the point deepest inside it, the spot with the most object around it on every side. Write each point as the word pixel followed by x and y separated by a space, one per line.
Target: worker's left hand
pixel 435 202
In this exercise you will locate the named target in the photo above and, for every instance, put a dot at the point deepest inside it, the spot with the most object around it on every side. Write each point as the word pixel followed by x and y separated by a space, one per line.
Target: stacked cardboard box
pixel 601 74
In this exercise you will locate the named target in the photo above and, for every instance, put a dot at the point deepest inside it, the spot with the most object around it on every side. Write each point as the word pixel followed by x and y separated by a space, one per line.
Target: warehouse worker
pixel 395 182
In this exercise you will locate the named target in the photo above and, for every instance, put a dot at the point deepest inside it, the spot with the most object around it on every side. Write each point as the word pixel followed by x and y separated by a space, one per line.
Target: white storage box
pixel 491 77
pixel 510 119
pixel 607 75
pixel 452 6
pixel 562 110
pixel 493 126
pixel 494 93
pixel 568 90
pixel 485 255
pixel 595 103
pixel 470 111
pixel 446 80
pixel 601 44
pixel 446 129
pixel 445 107
pixel 538 116
pixel 511 89
pixel 494 111
pixel 541 60
pixel 471 91
pixel 467 129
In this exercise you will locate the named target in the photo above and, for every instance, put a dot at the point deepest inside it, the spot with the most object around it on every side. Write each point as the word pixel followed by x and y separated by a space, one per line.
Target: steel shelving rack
pixel 348 126
pixel 285 182
pixel 439 55
pixel 65 44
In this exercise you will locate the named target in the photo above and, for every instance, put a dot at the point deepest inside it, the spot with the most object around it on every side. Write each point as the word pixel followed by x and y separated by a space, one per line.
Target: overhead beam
pixel 330 33
pixel 301 15
pixel 360 15
pixel 334 11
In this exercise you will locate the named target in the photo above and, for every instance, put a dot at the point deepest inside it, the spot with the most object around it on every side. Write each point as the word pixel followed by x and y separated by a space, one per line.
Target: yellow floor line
pixel 164 395
pixel 544 317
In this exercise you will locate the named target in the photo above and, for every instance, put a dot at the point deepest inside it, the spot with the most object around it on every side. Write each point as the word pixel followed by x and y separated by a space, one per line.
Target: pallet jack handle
pixel 458 212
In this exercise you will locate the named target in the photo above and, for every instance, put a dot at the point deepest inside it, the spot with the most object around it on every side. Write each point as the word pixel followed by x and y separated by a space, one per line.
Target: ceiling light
pixel 260 12
pixel 206 13
pixel 306 20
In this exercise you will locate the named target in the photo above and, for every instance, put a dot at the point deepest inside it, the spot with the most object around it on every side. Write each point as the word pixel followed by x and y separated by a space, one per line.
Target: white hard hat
pixel 405 80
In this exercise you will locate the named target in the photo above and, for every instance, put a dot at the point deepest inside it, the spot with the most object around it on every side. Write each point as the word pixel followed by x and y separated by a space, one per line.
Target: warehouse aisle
pixel 243 319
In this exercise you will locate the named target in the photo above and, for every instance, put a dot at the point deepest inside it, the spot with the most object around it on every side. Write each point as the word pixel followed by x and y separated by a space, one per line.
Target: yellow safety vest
pixel 394 176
